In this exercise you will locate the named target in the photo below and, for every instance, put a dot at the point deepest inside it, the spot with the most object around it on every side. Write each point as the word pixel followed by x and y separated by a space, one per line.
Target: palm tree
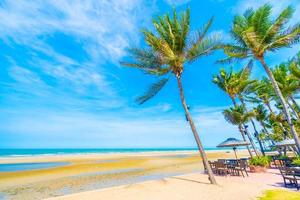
pixel 243 88
pixel 238 116
pixel 229 83
pixel 295 68
pixel 261 116
pixel 169 49
pixel 255 34
pixel 263 93
pixel 288 85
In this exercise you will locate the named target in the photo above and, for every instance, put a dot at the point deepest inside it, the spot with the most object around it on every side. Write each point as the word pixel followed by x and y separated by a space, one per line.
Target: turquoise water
pixel 34 152
pixel 13 167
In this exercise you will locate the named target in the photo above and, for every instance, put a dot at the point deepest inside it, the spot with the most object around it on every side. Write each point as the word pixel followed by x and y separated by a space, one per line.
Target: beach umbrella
pixel 234 143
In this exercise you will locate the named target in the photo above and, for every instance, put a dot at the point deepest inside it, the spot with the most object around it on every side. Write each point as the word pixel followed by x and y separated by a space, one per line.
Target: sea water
pixel 13 167
pixel 38 152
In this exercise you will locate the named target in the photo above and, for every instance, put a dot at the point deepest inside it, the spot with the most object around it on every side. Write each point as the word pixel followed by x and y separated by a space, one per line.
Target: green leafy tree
pixel 255 34
pixel 169 48
pixel 238 116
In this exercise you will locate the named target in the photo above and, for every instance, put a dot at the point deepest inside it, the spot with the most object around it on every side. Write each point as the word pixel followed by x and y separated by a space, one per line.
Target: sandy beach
pixel 191 186
pixel 97 171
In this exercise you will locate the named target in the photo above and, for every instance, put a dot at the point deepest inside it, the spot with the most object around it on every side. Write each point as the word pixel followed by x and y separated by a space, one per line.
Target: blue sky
pixel 61 84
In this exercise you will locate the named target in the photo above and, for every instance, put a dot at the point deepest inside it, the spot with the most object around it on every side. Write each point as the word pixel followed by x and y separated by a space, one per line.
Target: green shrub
pixel 262 161
pixel 283 157
pixel 296 161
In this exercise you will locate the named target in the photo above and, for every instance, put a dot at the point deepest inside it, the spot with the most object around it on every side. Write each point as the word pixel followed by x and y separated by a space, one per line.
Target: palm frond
pixel 159 45
pixel 146 60
pixel 255 33
pixel 152 91
pixel 200 36
pixel 285 39
pixel 295 69
pixel 279 23
pixel 237 115
pixel 260 21
pixel 205 47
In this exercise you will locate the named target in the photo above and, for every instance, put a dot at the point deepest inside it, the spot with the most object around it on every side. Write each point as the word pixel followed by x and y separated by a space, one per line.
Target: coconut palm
pixel 227 82
pixel 243 88
pixel 295 66
pixel 170 47
pixel 263 93
pixel 255 34
pixel 261 115
pixel 238 116
pixel 230 84
pixel 288 85
pixel 295 69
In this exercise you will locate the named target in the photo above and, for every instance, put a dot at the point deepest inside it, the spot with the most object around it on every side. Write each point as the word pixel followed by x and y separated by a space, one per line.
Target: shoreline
pixel 41 157
pixel 96 171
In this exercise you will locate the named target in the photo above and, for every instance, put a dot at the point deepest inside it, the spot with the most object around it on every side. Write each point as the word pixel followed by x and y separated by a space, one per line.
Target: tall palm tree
pixel 238 116
pixel 243 88
pixel 263 93
pixel 170 47
pixel 261 116
pixel 255 34
pixel 229 83
pixel 288 85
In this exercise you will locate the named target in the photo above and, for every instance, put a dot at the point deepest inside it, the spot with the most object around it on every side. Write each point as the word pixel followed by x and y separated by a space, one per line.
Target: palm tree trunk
pixel 266 130
pixel 269 106
pixel 292 108
pixel 196 136
pixel 241 129
pixel 251 141
pixel 283 102
pixel 254 127
pixel 244 138
pixel 296 104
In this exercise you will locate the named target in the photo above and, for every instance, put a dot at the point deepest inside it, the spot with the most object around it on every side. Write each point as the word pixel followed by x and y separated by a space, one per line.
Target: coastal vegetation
pixel 169 49
pixel 262 161
pixel 268 103
pixel 254 34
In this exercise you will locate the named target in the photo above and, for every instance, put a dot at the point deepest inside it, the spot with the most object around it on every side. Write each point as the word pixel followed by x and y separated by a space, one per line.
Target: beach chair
pixel 221 168
pixel 288 174
pixel 213 166
pixel 241 167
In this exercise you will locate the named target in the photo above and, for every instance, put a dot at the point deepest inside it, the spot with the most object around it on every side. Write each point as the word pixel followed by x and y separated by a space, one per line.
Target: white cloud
pixel 25 76
pixel 142 128
pixel 103 29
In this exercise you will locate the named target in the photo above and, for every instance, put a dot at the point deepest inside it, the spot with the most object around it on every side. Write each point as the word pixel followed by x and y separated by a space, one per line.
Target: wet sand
pixel 97 171
pixel 191 187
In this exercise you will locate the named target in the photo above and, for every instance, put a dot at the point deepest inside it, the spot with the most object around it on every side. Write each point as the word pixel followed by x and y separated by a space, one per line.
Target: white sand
pixel 188 187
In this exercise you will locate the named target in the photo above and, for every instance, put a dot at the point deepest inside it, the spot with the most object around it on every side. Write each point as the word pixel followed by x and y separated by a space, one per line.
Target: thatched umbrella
pixel 234 143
